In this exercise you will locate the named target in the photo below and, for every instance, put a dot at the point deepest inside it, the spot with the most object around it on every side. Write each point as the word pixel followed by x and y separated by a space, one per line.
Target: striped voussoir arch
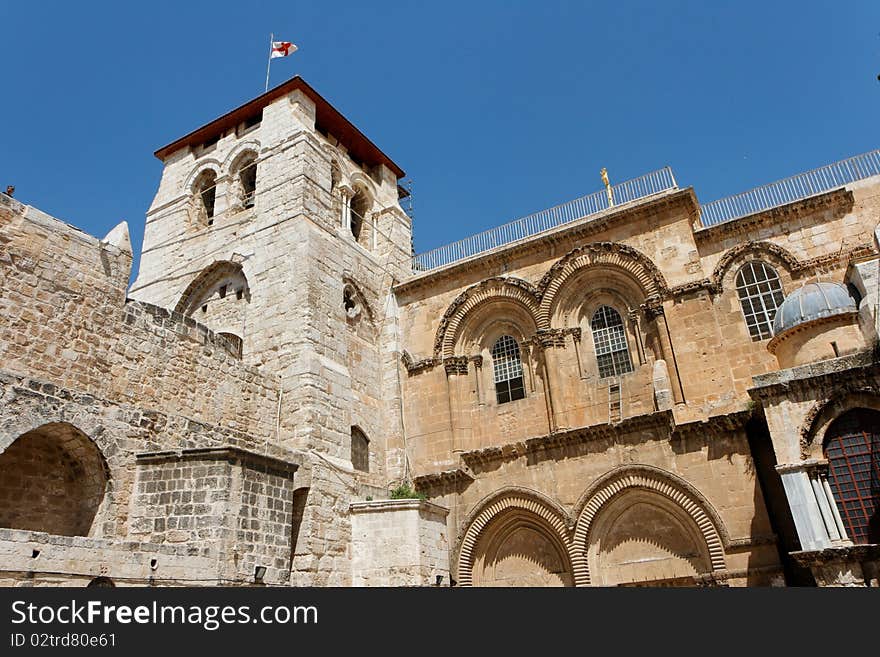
pixel 520 500
pixel 600 254
pixel 658 481
pixel 491 289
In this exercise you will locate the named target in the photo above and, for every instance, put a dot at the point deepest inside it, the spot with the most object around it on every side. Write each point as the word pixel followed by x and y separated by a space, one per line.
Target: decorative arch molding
pixel 507 499
pixel 209 164
pixel 240 150
pixel 613 255
pixel 773 252
pixel 359 179
pixel 497 288
pixel 825 411
pixel 360 298
pixel 650 478
pixel 214 272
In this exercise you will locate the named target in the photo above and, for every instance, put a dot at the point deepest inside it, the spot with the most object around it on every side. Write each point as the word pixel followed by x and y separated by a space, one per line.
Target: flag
pixel 282 49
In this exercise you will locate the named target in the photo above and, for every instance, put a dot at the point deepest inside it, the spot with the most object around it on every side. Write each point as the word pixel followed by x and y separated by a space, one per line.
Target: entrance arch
pixel 516 539
pixel 52 479
pixel 642 524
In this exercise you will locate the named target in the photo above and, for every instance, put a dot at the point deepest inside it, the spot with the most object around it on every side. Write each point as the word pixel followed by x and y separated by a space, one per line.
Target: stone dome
pixel 812 301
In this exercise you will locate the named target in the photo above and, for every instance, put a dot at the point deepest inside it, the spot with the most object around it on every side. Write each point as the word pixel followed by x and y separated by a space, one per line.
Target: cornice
pixel 566 232
pixel 861 368
pixel 834 200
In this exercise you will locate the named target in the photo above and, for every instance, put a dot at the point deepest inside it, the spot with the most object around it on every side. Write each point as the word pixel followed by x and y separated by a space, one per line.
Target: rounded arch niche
pixel 516 538
pixel 52 479
pixel 641 524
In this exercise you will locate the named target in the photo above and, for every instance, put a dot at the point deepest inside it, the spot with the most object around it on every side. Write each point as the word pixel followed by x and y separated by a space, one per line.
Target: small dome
pixel 810 302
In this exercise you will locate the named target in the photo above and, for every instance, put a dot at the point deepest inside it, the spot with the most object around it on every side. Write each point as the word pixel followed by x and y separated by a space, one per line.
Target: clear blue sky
pixel 495 109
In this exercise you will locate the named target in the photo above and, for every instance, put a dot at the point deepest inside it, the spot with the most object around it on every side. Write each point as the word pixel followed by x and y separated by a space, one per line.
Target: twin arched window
pixel 609 338
pixel 508 369
pixel 612 355
pixel 760 294
pixel 852 446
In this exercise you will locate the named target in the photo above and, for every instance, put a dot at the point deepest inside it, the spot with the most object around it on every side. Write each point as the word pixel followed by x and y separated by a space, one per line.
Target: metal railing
pixel 788 190
pixel 647 185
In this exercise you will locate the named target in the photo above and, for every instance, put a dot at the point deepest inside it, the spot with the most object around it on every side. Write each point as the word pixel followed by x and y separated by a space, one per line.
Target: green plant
pixel 407 492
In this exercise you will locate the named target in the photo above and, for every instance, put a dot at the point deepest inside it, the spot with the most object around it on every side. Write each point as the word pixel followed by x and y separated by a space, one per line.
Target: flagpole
pixel 269 63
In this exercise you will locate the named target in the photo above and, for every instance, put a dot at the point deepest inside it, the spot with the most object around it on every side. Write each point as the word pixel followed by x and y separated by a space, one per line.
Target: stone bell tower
pixel 278 226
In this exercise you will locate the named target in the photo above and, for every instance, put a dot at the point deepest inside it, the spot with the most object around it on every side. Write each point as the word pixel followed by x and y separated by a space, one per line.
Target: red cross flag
pixel 282 49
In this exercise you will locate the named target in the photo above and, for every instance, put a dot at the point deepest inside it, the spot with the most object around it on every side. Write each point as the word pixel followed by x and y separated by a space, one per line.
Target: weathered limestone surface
pixel 200 423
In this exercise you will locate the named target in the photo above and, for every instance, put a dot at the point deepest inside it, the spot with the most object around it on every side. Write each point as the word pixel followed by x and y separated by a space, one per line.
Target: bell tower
pixel 278 225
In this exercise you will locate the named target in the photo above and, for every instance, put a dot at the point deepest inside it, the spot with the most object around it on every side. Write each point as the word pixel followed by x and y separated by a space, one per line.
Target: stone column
pixel 459 402
pixel 656 311
pixel 813 508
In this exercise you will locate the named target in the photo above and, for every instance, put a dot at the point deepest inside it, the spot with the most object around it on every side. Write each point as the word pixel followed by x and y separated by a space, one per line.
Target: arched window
pixel 206 189
pixel 247 179
pixel 507 365
pixel 609 338
pixel 360 450
pixel 852 447
pixel 234 343
pixel 760 294
pixel 359 205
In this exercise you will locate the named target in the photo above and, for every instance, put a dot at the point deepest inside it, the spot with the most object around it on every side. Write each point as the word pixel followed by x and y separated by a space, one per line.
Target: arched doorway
pixel 518 549
pixel 52 479
pixel 516 538
pixel 642 537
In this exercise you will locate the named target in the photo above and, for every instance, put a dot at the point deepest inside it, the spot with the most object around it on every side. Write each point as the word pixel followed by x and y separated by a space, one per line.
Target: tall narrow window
pixel 206 188
pixel 360 450
pixel 760 294
pixel 852 447
pixel 360 205
pixel 247 178
pixel 609 338
pixel 508 369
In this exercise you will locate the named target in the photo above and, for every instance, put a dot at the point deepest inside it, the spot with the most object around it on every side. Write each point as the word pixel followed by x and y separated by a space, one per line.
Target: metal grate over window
pixel 507 365
pixel 609 338
pixel 853 450
pixel 760 294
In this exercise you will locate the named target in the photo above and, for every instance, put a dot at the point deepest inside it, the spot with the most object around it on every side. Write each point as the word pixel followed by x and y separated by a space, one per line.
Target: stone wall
pixel 399 543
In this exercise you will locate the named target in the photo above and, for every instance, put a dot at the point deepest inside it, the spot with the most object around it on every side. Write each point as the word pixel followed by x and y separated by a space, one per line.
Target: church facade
pixel 630 389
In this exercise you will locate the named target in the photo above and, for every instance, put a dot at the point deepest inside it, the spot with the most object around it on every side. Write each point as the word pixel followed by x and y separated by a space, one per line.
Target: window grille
pixel 760 294
pixel 507 365
pixel 609 338
pixel 852 448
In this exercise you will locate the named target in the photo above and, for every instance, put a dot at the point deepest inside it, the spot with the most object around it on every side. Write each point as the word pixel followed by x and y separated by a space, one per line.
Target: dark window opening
pixel 101 583
pixel 360 450
pixel 250 123
pixel 854 293
pixel 234 343
pixel 360 204
pixel 247 177
pixel 508 371
pixel 209 144
pixel 207 193
pixel 348 300
pixel 205 308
